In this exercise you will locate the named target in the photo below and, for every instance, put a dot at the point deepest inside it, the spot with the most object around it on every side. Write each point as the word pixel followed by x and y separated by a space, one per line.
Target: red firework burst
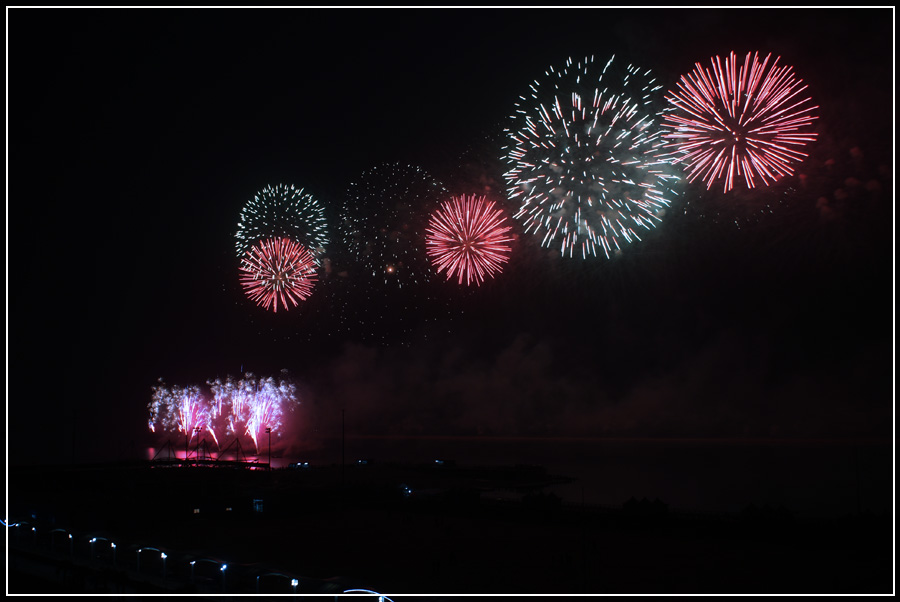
pixel 738 121
pixel 466 237
pixel 278 269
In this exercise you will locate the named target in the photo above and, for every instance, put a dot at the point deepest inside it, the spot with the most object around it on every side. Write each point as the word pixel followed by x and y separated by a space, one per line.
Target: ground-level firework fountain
pixel 234 408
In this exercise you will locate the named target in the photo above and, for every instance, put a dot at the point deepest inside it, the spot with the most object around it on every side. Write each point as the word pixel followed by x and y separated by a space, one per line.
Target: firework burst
pixel 467 238
pixel 282 211
pixel 278 269
pixel 582 150
pixel 732 121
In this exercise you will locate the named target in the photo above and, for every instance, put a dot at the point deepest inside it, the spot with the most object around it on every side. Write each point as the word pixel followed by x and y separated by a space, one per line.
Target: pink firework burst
pixel 736 121
pixel 467 238
pixel 278 270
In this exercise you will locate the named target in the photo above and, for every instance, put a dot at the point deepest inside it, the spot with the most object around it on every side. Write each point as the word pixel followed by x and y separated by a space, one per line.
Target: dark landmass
pixel 408 529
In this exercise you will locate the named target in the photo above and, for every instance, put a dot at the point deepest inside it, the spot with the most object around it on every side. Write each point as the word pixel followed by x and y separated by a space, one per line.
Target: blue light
pixel 368 591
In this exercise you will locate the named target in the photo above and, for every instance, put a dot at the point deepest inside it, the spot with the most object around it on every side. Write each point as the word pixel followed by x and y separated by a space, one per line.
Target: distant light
pixel 294 582
pixel 163 555
pixel 192 562
pixel 196 510
pixel 224 566
pixel 70 536
pixel 112 545
pixel 228 509
pixel 93 540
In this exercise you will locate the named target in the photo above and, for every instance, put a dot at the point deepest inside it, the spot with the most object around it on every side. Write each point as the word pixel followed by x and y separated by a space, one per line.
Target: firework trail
pixel 736 121
pixel 227 411
pixel 582 149
pixel 241 398
pixel 191 409
pixel 467 237
pixel 282 211
pixel 267 407
pixel 278 270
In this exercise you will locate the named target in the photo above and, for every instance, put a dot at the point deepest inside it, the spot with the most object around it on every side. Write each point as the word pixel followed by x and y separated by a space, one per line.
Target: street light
pixel 192 570
pixel 294 583
pixel 93 539
pixel 224 566
pixel 112 544
pixel 71 545
pixel 139 559
pixel 163 556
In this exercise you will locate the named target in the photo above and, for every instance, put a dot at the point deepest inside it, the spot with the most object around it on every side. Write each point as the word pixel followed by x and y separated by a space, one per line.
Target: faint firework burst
pixel 382 222
pixel 278 270
pixel 383 290
pixel 467 237
pixel 583 153
pixel 282 211
pixel 738 121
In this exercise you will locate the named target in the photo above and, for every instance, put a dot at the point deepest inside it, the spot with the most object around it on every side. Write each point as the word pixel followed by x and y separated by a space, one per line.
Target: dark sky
pixel 136 136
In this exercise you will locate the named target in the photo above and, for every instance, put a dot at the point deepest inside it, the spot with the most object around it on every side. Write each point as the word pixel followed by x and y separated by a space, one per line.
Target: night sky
pixel 136 136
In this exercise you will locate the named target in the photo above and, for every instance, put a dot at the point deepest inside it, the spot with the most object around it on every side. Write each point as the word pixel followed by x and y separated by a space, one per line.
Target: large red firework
pixel 278 269
pixel 467 238
pixel 738 121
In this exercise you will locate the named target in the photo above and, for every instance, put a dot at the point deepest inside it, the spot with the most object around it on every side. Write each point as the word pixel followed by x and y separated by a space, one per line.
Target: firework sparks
pixel 736 121
pixel 467 238
pixel 278 270
pixel 177 409
pixel 282 211
pixel 583 154
pixel 228 415
pixel 267 407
